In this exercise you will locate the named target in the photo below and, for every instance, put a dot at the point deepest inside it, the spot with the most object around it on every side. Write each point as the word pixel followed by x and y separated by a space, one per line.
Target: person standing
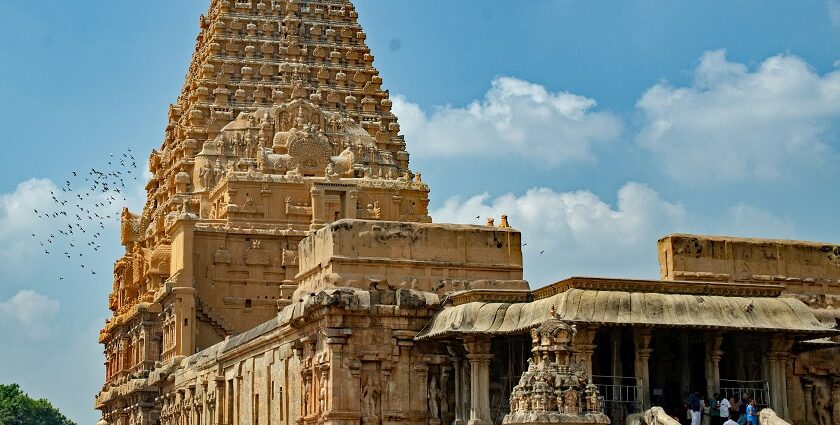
pixel 752 413
pixel 694 406
pixel 742 408
pixel 724 405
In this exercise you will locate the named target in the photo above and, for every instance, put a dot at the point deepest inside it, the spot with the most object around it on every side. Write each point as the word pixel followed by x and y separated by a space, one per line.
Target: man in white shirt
pixel 724 408
pixel 730 422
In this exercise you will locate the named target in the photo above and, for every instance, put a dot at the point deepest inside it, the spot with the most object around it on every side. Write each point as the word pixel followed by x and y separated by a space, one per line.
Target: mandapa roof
pixel 627 308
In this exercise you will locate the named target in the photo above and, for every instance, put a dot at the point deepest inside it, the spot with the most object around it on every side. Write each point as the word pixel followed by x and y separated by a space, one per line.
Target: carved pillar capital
pixel 477 346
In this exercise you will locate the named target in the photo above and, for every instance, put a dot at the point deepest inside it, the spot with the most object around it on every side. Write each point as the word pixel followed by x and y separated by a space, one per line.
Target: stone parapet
pixel 436 258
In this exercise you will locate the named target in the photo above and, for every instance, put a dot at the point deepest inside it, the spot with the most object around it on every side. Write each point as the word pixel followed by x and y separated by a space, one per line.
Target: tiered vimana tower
pixel 281 127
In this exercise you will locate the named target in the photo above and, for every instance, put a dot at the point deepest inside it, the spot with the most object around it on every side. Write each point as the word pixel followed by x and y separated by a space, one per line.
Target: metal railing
pixel 618 389
pixel 759 390
pixel 620 396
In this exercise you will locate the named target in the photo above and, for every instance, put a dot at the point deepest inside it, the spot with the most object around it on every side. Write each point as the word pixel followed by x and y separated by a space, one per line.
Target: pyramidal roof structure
pixel 281 127
pixel 259 53
pixel 255 56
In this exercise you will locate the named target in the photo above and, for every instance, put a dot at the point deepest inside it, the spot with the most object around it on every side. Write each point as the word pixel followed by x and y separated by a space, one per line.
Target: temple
pixel 285 270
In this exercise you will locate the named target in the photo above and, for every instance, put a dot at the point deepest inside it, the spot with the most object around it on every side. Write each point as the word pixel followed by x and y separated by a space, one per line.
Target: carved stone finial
pixel 504 224
pixel 491 222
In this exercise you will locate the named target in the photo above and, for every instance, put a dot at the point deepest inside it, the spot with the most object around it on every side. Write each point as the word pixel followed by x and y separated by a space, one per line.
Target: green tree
pixel 17 408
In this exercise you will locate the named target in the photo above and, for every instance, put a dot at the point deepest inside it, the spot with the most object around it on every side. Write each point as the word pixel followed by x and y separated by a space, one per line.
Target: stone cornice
pixel 492 296
pixel 662 287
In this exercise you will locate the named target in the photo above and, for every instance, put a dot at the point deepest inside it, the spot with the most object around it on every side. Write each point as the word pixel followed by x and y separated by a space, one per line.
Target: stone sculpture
pixel 768 417
pixel 657 416
pixel 370 402
pixel 434 399
pixel 554 389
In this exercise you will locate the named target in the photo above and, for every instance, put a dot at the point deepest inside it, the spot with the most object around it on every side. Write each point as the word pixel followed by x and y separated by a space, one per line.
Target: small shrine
pixel 555 389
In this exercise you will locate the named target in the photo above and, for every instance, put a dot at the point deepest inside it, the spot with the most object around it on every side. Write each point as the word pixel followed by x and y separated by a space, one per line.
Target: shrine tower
pixel 282 126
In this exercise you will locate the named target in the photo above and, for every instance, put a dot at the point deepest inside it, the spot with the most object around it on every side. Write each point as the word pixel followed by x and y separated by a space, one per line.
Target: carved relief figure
pixel 205 175
pixel 434 397
pixel 571 401
pixel 822 404
pixel 322 398
pixel 371 394
pixel 593 399
pixel 307 392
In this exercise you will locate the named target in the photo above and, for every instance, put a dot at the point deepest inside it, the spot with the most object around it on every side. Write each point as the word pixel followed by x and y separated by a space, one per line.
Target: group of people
pixel 720 410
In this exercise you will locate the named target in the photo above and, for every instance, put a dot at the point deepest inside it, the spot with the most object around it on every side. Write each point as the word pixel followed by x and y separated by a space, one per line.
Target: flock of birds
pixel 82 206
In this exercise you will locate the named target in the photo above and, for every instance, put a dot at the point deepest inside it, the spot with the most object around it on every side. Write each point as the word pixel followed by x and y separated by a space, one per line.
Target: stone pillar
pixel 396 207
pixel 351 204
pixel 777 359
pixel 713 356
pixel 419 387
pixel 341 396
pixel 221 401
pixel 584 347
pixel 459 408
pixel 685 367
pixel 642 339
pixel 794 393
pixel 478 353
pixel 808 384
pixel 318 208
pixel 835 399
pixel 615 356
pixel 399 385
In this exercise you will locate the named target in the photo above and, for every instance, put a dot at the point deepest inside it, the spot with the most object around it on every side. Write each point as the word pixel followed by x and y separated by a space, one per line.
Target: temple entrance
pixel 614 372
pixel 511 354
pixel 677 368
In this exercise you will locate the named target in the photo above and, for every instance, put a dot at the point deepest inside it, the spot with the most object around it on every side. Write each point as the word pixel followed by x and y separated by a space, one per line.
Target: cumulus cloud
pixel 20 251
pixel 18 219
pixel 28 313
pixel 732 123
pixel 515 117
pixel 578 233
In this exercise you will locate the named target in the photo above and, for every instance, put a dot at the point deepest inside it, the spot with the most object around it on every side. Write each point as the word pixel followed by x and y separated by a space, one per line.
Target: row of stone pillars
pixel 479 357
pixel 778 359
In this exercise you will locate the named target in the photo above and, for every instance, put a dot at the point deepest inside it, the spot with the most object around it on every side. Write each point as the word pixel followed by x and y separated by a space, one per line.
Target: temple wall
pixel 808 271
pixel 424 257
pixel 803 267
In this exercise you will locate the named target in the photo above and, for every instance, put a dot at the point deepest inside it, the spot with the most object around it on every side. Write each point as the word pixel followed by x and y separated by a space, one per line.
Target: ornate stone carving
pixel 371 394
pixel 554 389
pixel 434 399
pixel 768 417
pixel 657 416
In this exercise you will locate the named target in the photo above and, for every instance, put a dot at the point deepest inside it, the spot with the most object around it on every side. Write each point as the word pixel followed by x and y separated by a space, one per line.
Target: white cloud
pixel 733 123
pixel 22 252
pixel 583 235
pixel 18 219
pixel 29 313
pixel 514 118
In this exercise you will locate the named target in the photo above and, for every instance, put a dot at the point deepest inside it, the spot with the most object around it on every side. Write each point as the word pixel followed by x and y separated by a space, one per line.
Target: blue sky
pixel 597 126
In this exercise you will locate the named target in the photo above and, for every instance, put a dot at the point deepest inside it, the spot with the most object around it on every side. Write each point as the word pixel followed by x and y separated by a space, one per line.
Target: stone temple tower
pixel 281 127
